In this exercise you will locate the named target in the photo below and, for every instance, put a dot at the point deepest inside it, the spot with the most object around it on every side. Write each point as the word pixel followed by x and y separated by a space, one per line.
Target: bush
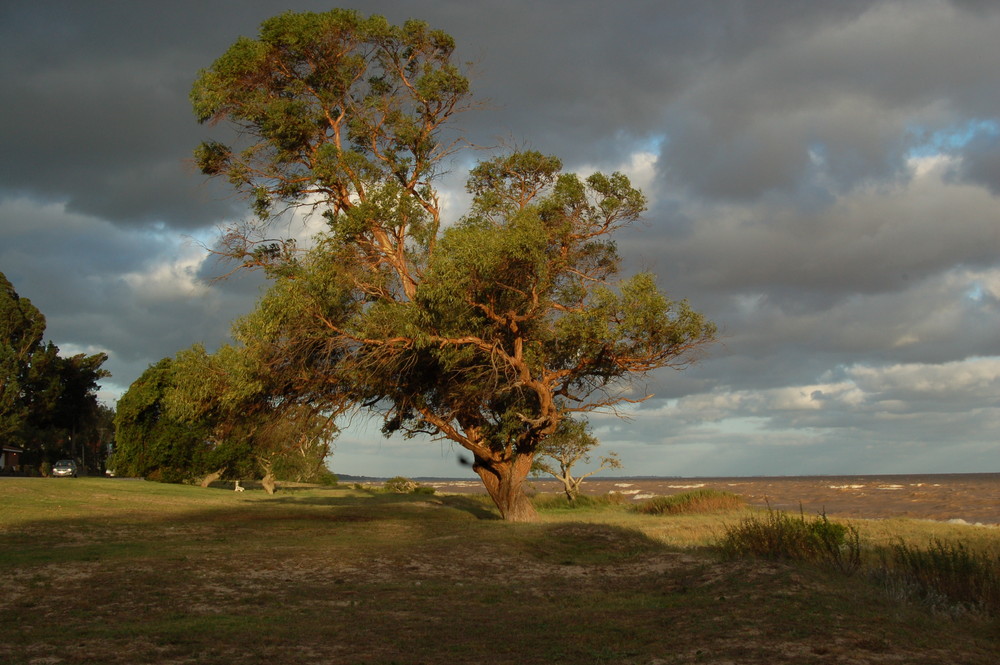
pixel 698 501
pixel 945 574
pixel 326 478
pixel 401 485
pixel 776 535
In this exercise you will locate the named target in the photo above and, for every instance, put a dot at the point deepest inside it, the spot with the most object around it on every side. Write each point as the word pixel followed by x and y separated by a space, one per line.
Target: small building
pixel 10 458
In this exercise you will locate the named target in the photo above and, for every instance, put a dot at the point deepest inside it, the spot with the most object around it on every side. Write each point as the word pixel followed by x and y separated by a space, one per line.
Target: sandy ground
pixel 973 498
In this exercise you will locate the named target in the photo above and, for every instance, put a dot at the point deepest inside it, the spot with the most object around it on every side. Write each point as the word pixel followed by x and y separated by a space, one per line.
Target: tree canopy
pixel 489 332
pixel 46 399
pixel 201 416
pixel 149 441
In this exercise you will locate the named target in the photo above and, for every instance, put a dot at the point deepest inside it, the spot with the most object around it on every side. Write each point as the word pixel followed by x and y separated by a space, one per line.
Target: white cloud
pixel 172 276
pixel 887 406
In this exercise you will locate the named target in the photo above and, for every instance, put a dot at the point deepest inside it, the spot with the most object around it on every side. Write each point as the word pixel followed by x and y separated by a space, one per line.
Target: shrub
pixel 401 485
pixel 776 535
pixel 945 575
pixel 326 478
pixel 698 501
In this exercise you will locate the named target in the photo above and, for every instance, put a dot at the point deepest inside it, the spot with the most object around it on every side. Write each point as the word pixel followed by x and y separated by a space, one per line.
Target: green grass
pixel 582 502
pixel 776 535
pixel 697 501
pixel 116 571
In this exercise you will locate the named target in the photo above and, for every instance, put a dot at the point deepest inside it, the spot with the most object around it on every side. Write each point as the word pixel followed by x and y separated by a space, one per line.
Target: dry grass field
pixel 118 571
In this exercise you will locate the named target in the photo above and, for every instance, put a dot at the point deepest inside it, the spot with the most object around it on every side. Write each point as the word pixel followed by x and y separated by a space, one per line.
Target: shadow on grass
pixel 386 504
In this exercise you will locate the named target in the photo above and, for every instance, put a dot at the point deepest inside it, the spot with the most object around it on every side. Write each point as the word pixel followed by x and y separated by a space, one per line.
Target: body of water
pixel 971 497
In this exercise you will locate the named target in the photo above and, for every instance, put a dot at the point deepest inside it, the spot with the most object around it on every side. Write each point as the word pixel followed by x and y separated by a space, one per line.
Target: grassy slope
pixel 115 571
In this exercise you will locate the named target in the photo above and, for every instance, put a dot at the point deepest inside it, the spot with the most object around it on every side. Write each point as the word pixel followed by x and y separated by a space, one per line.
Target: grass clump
pixel 945 575
pixel 777 535
pixel 581 501
pixel 698 501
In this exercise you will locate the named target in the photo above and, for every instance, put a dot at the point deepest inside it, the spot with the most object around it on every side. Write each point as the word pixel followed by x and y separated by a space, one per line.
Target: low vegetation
pixel 120 571
pixel 697 501
pixel 949 576
pixel 581 502
pixel 403 485
pixel 777 535
pixel 945 575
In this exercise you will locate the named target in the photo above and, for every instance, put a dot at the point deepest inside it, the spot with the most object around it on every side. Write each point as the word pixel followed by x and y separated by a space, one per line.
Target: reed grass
pixel 945 575
pixel 697 501
pixel 777 535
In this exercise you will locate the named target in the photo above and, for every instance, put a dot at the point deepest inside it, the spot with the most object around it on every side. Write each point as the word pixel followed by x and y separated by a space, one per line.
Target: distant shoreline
pixel 971 497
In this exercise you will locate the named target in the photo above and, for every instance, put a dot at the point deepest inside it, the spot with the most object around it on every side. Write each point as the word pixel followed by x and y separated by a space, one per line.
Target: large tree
pixel 488 333
pixel 250 408
pixel 150 441
pixel 21 329
pixel 48 403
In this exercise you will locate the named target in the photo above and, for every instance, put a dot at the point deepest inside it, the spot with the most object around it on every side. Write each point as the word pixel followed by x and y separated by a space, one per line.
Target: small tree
pixel 572 443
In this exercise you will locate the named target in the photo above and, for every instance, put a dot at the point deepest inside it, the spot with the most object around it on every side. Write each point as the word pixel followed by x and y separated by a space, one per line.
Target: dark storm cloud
pixel 824 180
pixel 981 160
pixel 842 100
pixel 98 116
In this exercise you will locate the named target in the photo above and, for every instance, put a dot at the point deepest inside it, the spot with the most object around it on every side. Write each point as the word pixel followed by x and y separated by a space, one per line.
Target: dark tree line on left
pixel 48 402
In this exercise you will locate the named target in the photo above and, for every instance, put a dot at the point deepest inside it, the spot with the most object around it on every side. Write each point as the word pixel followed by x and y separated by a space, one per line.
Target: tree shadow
pixel 384 504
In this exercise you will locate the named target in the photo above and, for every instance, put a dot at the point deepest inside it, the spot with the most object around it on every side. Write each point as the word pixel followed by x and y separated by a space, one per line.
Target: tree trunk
pixel 211 478
pixel 268 482
pixel 504 480
pixel 570 486
pixel 267 466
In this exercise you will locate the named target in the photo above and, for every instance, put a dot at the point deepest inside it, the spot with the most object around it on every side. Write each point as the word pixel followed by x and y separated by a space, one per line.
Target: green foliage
pixel 333 103
pixel 402 485
pixel 227 412
pixel 21 330
pixel 777 535
pixel 150 441
pixel 325 477
pixel 696 501
pixel 489 333
pixel 48 403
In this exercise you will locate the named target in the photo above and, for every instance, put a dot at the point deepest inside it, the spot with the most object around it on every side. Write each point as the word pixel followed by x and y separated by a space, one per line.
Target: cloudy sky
pixel 824 180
